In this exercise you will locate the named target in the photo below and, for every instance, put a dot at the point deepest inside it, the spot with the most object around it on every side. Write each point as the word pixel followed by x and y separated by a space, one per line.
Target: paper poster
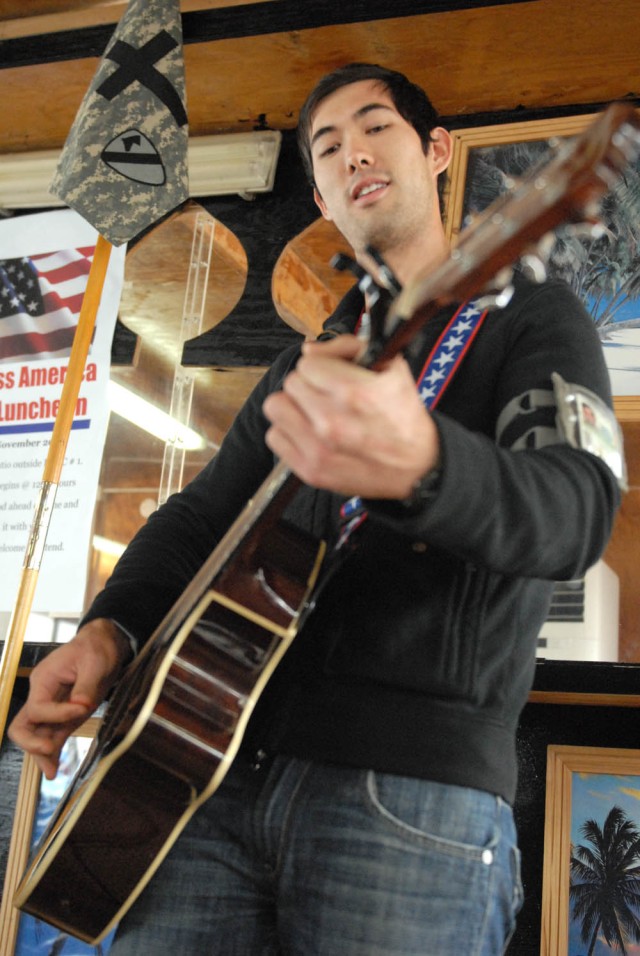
pixel 44 265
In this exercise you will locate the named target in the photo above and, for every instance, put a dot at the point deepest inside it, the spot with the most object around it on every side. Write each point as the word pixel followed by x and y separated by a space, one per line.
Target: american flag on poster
pixel 40 301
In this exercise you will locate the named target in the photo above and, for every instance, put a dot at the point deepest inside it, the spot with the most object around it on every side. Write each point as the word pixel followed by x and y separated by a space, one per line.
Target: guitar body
pixel 177 720
pixel 171 732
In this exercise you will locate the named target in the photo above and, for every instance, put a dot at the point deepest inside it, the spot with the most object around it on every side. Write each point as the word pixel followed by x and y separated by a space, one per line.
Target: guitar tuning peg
pixel 499 292
pixel 495 300
pixel 544 246
pixel 504 277
pixel 343 263
pixel 627 140
pixel 533 267
pixel 385 275
pixel 586 230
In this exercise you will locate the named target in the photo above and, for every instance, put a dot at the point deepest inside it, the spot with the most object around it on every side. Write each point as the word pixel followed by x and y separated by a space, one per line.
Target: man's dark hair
pixel 411 102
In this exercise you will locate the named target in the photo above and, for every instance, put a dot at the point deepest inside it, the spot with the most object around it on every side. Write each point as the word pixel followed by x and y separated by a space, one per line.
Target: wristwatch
pixel 424 489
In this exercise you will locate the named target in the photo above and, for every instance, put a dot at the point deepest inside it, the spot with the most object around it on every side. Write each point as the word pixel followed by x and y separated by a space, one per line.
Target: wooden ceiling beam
pixel 225 19
pixel 37 17
pixel 592 60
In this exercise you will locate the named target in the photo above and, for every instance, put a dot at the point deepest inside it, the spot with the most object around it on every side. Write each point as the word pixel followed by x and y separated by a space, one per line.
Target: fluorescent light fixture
pixel 243 163
pixel 152 419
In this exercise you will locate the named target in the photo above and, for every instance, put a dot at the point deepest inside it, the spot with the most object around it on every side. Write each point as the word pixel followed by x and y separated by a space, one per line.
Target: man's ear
pixel 320 203
pixel 441 147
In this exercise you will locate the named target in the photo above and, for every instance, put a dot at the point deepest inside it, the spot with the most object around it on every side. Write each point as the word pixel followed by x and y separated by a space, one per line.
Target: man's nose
pixel 358 155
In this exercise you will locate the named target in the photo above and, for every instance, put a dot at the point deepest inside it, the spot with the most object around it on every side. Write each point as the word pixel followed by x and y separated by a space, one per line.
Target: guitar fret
pixel 185 735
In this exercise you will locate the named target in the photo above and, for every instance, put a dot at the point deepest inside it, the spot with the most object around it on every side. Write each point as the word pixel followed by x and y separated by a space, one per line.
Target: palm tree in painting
pixel 605 882
pixel 603 270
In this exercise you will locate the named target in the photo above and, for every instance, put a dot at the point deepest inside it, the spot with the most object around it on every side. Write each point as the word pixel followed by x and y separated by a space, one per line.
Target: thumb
pixel 342 346
pixel 89 688
pixel 82 699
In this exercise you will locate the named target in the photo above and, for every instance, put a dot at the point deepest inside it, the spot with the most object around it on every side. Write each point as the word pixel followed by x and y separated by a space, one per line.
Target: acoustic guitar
pixel 177 719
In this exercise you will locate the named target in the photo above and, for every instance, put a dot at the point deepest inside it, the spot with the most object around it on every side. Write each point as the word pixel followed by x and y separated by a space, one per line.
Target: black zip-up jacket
pixel 419 655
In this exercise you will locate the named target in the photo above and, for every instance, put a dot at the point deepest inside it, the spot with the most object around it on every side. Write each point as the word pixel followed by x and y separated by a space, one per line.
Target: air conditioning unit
pixel 582 624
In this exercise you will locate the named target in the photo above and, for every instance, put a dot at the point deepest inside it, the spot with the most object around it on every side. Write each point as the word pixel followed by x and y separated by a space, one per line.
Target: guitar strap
pixel 442 363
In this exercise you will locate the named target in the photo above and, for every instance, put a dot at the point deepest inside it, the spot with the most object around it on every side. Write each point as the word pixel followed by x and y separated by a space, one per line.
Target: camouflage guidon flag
pixel 124 164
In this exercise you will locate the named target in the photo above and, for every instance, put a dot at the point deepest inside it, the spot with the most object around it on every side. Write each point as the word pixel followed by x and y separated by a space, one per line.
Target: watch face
pixel 423 490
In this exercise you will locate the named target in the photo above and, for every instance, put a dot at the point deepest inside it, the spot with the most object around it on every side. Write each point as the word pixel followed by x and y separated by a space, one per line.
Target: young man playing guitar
pixel 368 810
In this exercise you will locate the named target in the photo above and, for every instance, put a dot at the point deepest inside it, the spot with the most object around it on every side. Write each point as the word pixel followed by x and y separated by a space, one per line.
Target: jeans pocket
pixel 455 821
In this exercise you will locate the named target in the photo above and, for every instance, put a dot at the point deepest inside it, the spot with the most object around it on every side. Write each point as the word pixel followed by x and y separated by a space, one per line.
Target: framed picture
pixel 590 900
pixel 604 271
pixel 20 933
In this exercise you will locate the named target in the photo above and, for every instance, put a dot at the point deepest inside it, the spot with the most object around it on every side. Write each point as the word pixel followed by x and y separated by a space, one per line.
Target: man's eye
pixel 329 150
pixel 377 129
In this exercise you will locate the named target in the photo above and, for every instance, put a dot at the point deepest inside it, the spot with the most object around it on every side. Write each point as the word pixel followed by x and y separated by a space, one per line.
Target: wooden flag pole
pixel 51 475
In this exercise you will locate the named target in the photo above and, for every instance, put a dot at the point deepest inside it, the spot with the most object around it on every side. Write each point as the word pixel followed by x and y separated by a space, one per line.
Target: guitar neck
pixel 562 190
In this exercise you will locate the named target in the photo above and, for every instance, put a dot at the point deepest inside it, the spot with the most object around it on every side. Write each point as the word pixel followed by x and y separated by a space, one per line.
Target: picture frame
pixel 584 786
pixel 20 933
pixel 484 158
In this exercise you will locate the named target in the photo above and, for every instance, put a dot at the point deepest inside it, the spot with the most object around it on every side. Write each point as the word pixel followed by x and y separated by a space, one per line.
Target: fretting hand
pixel 348 429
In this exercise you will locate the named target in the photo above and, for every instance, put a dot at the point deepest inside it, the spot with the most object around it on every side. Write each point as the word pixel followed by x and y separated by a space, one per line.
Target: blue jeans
pixel 298 858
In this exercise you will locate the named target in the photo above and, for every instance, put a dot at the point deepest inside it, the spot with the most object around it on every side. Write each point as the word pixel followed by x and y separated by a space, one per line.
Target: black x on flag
pixel 124 164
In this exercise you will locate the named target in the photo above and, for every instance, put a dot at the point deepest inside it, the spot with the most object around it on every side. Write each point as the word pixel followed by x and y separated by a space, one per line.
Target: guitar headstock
pixel 565 189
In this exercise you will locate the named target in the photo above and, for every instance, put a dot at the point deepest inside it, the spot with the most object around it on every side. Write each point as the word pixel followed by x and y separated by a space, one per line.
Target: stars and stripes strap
pixel 438 371
pixel 448 352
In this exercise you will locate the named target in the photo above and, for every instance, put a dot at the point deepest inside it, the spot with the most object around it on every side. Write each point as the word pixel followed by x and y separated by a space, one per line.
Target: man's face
pixel 372 176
